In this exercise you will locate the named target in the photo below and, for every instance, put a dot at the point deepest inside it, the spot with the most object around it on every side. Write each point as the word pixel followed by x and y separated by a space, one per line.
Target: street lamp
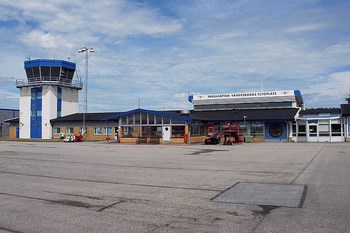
pixel 86 51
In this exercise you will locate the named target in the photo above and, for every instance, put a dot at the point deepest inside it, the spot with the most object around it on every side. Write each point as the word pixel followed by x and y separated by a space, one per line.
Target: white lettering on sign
pixel 245 95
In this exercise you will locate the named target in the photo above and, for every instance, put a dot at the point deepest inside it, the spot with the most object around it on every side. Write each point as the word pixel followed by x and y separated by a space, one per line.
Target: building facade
pixel 49 110
pixel 319 125
pixel 345 112
pixel 265 116
pixel 134 126
pixel 6 114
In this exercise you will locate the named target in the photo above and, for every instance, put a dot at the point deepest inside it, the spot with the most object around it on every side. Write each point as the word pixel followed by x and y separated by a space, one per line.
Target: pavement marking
pixel 263 194
pixel 9 230
pixel 147 167
pixel 111 182
pixel 307 165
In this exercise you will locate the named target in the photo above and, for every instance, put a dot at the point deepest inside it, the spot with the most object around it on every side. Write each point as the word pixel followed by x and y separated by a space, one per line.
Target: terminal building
pixel 49 110
pixel 266 116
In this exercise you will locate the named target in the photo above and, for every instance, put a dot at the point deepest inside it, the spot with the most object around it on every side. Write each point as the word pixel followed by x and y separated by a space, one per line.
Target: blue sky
pixel 159 51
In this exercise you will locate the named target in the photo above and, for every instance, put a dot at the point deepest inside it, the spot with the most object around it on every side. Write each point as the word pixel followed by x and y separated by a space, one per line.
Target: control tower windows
pixel 55 73
pixel 45 73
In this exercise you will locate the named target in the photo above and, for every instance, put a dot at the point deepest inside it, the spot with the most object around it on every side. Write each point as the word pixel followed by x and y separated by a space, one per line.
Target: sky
pixel 154 53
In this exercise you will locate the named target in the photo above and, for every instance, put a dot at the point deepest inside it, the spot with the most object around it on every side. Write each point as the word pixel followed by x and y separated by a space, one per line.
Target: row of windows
pixel 127 131
pixel 252 128
pixel 152 131
pixel 323 129
pixel 97 130
pixel 48 73
pixel 148 119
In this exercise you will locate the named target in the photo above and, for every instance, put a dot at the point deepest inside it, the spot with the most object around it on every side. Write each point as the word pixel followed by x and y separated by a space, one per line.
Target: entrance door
pixel 313 133
pixel 35 128
pixel 166 133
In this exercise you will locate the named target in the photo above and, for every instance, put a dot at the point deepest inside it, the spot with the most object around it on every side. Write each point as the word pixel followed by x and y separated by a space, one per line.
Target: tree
pixel 348 99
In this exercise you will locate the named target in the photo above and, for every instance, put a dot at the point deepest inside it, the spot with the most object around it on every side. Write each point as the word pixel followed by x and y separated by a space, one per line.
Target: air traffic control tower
pixel 49 92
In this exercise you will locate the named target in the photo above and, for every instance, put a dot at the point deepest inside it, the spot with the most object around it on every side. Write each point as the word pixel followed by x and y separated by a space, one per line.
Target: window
pixel 70 73
pixel 137 118
pixel 166 120
pixel 301 131
pixel 144 118
pixel 177 121
pixel 108 131
pixel 123 120
pixel 36 71
pixel 45 73
pixel 177 131
pixel 152 131
pixel 197 130
pixel 324 129
pixel 129 120
pixel 55 71
pixel 97 130
pixel 69 130
pixel 56 130
pixel 151 119
pixel 127 131
pixel 243 128
pixel 313 130
pixel 158 120
pixel 275 130
pixel 336 129
pixel 29 72
pixel 257 129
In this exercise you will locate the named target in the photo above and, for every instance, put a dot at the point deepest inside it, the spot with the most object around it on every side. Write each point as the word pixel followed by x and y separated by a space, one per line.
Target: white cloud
pixel 40 39
pixel 330 89
pixel 305 28
pixel 165 49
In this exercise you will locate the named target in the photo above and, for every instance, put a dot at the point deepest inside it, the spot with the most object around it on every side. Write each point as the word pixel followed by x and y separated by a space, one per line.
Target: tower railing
pixel 22 83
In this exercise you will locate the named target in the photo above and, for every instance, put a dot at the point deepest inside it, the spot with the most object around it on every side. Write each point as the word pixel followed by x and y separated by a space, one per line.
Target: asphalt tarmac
pixel 100 187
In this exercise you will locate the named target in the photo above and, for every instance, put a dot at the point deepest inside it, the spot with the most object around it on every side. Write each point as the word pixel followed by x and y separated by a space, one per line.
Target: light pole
pixel 86 51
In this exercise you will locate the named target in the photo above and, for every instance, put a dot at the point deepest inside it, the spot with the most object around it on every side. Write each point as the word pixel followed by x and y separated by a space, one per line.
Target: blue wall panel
pixel 36 111
pixel 281 138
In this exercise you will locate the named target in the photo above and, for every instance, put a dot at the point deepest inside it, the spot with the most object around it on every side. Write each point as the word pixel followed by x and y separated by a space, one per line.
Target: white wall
pixel 24 112
pixel 69 101
pixel 49 109
pixel 69 106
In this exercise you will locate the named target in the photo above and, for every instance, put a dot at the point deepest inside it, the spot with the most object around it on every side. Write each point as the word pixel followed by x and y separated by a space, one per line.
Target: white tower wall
pixel 24 114
pixel 49 109
pixel 69 101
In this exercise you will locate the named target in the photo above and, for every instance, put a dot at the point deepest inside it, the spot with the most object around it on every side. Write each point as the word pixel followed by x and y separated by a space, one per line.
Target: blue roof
pixel 47 62
pixel 184 118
